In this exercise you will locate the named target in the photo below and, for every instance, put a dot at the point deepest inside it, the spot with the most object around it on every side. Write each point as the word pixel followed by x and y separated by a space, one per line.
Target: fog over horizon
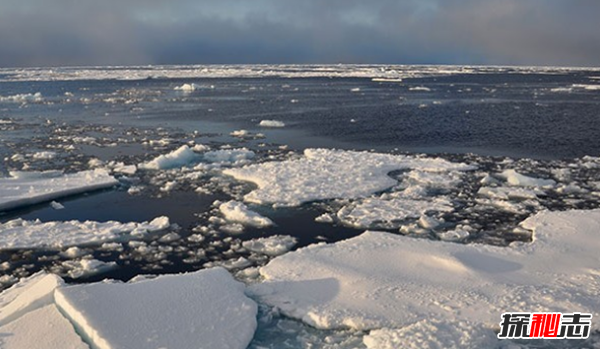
pixel 136 32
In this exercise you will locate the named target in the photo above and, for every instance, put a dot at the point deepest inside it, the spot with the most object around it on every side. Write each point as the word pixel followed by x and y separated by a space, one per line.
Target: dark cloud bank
pixel 123 32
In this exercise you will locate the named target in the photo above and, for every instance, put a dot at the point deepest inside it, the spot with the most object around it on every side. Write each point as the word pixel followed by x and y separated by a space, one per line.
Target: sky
pixel 140 32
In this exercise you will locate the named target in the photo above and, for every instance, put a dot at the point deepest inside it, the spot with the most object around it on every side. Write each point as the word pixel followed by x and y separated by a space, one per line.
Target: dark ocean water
pixel 490 114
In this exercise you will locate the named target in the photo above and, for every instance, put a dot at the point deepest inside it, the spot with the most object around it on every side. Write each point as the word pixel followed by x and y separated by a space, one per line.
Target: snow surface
pixel 271 123
pixel 238 212
pixel 22 234
pixel 29 294
pixel 433 334
pixel 204 309
pixel 42 328
pixel 384 281
pixel 29 188
pixel 327 174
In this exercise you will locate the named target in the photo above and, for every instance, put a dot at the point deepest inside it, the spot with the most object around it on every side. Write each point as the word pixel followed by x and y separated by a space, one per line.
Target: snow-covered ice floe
pixel 177 158
pixel 271 123
pixel 232 156
pixel 186 156
pixel 271 246
pixel 29 188
pixel 22 234
pixel 204 309
pixel 514 178
pixel 369 211
pixel 234 211
pixel 328 174
pixel 187 87
pixel 381 281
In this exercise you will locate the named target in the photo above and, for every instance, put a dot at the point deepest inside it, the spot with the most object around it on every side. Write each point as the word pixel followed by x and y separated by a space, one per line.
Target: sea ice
pixel 44 155
pixel 28 294
pixel 271 246
pixel 239 156
pixel 506 193
pixel 420 88
pixel 433 334
pixel 86 267
pixel 29 188
pixel 365 213
pixel 234 211
pixel 204 309
pixel 22 234
pixel 327 174
pixel 41 328
pixel 587 87
pixel 23 98
pixel 379 280
pixel 271 123
pixel 57 205
pixel 177 158
pixel 515 178
pixel 188 87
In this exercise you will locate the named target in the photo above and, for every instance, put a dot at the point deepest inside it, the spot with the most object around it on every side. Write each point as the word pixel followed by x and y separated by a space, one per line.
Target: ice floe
pixel 28 294
pixel 44 155
pixel 86 267
pixel 22 234
pixel 587 86
pixel 234 211
pixel 515 178
pixel 365 213
pixel 238 156
pixel 177 158
pixel 271 246
pixel 187 87
pixel 45 328
pixel 327 174
pixel 420 88
pixel 271 123
pixel 383 281
pixel 28 188
pixel 206 309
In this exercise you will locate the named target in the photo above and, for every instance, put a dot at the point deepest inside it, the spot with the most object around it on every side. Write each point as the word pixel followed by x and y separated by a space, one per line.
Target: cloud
pixel 114 32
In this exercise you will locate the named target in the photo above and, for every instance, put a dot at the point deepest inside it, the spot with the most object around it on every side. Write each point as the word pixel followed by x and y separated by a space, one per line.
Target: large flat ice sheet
pixel 22 234
pixel 328 174
pixel 380 280
pixel 27 295
pixel 204 309
pixel 29 188
pixel 43 328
